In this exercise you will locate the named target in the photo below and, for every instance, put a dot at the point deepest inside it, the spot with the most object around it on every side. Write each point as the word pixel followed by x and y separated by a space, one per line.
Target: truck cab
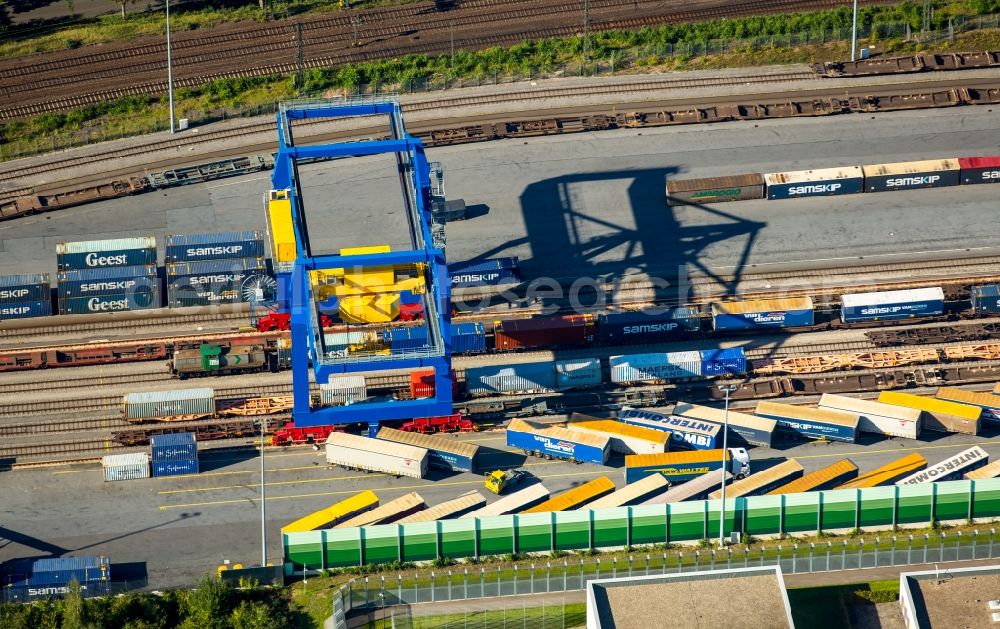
pixel 739 462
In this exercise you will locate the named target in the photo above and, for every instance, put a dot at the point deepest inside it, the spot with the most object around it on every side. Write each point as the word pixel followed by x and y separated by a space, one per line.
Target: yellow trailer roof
pixel 429 442
pixel 402 504
pixel 762 305
pixel 887 473
pixel 812 480
pixel 576 497
pixel 791 411
pixel 987 471
pixel 612 427
pixel 672 458
pixel 654 483
pixel 334 513
pixel 975 398
pixel 931 405
pixel 758 480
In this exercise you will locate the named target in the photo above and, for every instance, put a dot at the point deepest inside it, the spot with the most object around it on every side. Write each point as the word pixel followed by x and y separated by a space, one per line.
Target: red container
pixel 558 331
pixel 979 169
pixel 422 383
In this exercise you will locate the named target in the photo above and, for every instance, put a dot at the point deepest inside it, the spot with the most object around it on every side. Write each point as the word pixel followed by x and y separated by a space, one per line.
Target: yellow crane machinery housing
pixel 368 296
pixel 279 223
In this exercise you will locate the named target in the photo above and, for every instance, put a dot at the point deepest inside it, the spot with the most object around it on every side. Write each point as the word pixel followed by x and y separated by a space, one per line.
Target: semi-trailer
pixel 335 513
pixel 991 470
pixel 633 493
pixel 746 429
pixel 888 473
pixel 811 423
pixel 469 501
pixel 876 417
pixel 513 503
pixel 555 442
pixel 684 432
pixel 678 467
pixel 374 455
pixel 826 478
pixel 694 489
pixel 625 438
pixel 952 468
pixel 576 497
pixel 388 513
pixel 442 452
pixel 989 402
pixel 762 482
pixel 938 415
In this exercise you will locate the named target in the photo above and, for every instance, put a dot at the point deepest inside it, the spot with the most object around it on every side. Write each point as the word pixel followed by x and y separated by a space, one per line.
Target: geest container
pixel 375 455
pixel 655 367
pixel 111 303
pixel 811 423
pixel 987 401
pixel 519 378
pixel 558 442
pixel 980 169
pixel 25 310
pixel 744 429
pixel 883 419
pixel 218 246
pixel 986 299
pixel 715 189
pixel 684 432
pixel 722 362
pixel 556 331
pixel 468 338
pixel 175 468
pixel 763 313
pixel 952 468
pixel 125 466
pixel 95 254
pixel 166 404
pixel 892 305
pixel 932 173
pixel 443 452
pixel 494 272
pixel 623 328
pixel 811 183
pixel 16 289
pixel 176 446
pixel 125 280
pixel 578 373
pixel 625 438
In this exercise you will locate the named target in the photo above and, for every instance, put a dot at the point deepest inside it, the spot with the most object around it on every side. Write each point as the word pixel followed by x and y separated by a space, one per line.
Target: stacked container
pixel 209 269
pixel 24 296
pixel 125 466
pixel 174 454
pixel 107 275
pixel 495 272
pixel 103 254
pixel 30 579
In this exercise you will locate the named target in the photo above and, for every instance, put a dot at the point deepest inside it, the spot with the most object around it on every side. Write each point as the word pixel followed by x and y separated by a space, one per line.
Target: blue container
pixel 623 328
pixel 175 468
pixel 110 303
pixel 692 434
pixel 723 362
pixel 26 310
pixel 210 282
pixel 222 270
pixel 494 272
pixel 219 246
pixel 111 281
pixel 825 182
pixel 28 593
pixel 402 340
pixel 16 289
pixel 468 338
pixel 559 448
pixel 55 571
pixel 176 446
pixel 986 299
pixel 892 305
pixel 766 313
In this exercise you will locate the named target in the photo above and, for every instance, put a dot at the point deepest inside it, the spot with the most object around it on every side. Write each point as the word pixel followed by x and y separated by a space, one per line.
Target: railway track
pixel 86 325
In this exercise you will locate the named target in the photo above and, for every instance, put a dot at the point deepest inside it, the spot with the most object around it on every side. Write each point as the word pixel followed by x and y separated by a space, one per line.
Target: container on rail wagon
pixel 15 289
pixel 95 254
pixel 743 428
pixel 932 173
pixel 468 338
pixel 939 415
pixel 625 438
pixel 25 309
pixel 762 313
pixel 122 280
pixel 991 470
pixel 654 367
pixel 980 169
pixel 888 473
pixel 985 299
pixel 723 362
pixel 578 373
pixel 406 339
pixel 495 272
pixel 876 417
pixel 624 328
pixel 825 478
pixel 557 331
pixel 537 377
pixel 215 246
pixel 892 305
pixel 375 455
pixel 811 423
pixel 175 446
pixel 125 466
pixel 685 432
pixel 175 468
pixel 694 489
pixel 111 303
pixel 952 468
pixel 715 189
pixel 444 453
pixel 454 508
pixel 387 513
pixel 633 493
pixel 987 401
pixel 341 390
pixel 577 497
pixel 679 467
pixel 811 183
pixel 336 513
pixel 763 482
pixel 198 402
pixel 553 441
pixel 513 503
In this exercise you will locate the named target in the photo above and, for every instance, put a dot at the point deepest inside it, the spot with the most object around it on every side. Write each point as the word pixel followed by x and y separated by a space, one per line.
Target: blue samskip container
pixel 110 281
pixel 175 468
pixel 493 272
pixel 405 339
pixel 619 328
pixel 56 571
pixel 468 338
pixel 221 268
pixel 892 305
pixel 723 362
pixel 26 310
pixel 218 246
pixel 110 303
pixel 174 446
pixel 15 289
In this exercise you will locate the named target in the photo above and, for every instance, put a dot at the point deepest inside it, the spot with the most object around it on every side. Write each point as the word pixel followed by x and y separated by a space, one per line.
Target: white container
pixel 97 246
pixel 125 466
pixel 169 404
pixel 652 367
pixel 580 373
pixel 876 417
pixel 375 455
pixel 341 390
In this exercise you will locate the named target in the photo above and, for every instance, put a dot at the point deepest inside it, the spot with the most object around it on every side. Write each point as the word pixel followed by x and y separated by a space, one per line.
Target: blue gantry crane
pixel 305 279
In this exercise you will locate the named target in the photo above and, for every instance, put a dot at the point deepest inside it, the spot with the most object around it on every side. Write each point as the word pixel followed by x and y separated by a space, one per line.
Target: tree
pixel 74 608
pixel 209 605
pixel 254 615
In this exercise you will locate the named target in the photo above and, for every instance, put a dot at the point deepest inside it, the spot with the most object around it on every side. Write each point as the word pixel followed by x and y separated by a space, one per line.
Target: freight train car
pixel 211 359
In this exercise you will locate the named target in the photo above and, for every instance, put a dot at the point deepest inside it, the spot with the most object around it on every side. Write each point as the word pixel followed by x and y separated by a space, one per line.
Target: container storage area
pixel 624 328
pixel 715 189
pixel 95 254
pixel 19 289
pixel 125 466
pixel 579 373
pixel 763 313
pixel 496 272
pixel 126 280
pixel 930 173
pixel 986 299
pixel 468 338
pixel 980 169
pixel 340 390
pixel 519 378
pixel 891 305
pixel 557 331
pixel 216 246
pixel 169 404
pixel 818 182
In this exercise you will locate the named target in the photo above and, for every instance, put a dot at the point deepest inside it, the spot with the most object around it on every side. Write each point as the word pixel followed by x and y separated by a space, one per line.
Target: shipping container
pixel 554 331
pixel 980 169
pixel 818 182
pixel 762 313
pixel 892 305
pixel 952 468
pixel 32 579
pixel 624 328
pixel 217 246
pixel 561 443
pixel 444 453
pixel 334 514
pixel 125 466
pixel 939 415
pixel 341 390
pixel 175 446
pixel 180 467
pixel 211 282
pixel 679 467
pixel 633 493
pixel 468 338
pixel 990 470
pixel 111 303
pixel 760 483
pixel 124 280
pixel 694 489
pixel 932 173
pixel 723 362
pixel 406 339
pixel 986 299
pixel 513 503
pixel 374 455
pixel 685 432
pixel 811 423
pixel 342 342
pixel 454 508
pixel 989 403
pixel 518 378
pixel 29 593
pixel 654 367
pixel 715 189
pixel 95 254
pixel 422 383
pixel 216 271
pixel 888 473
pixel 578 373
pixel 744 429
pixel 577 497
pixel 625 438
pixel 827 478
pixel 25 310
pixel 17 289
pixel 169 405
pixel 876 417
pixel 496 272
pixel 388 513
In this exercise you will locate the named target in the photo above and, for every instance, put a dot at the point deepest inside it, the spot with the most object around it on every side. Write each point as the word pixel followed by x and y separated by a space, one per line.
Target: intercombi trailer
pixel 744 429
pixel 679 467
pixel 952 468
pixel 685 432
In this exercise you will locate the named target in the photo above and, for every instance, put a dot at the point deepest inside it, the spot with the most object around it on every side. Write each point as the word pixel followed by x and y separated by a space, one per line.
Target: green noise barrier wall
pixel 645 524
